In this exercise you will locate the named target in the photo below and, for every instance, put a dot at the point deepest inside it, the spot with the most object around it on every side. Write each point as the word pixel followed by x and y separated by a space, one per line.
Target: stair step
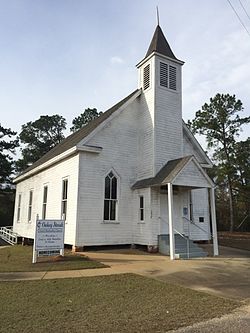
pixel 181 247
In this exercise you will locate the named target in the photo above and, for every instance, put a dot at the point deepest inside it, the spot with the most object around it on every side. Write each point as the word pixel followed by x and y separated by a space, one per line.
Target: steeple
pixel 160 45
pixel 159 77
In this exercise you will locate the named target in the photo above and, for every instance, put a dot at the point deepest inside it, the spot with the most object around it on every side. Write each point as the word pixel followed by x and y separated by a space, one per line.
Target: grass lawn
pixel 117 303
pixel 19 259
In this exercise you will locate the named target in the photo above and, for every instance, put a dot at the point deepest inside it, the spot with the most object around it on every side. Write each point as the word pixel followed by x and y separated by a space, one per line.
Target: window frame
pixel 115 200
pixel 44 204
pixel 141 209
pixel 64 200
pixel 146 76
pixel 169 69
pixel 30 204
pixel 19 207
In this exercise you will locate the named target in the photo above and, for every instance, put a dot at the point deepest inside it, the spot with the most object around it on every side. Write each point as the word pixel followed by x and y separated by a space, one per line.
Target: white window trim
pixel 175 91
pixel 141 209
pixel 19 203
pixel 30 206
pixel 150 76
pixel 116 221
pixel 67 200
pixel 43 203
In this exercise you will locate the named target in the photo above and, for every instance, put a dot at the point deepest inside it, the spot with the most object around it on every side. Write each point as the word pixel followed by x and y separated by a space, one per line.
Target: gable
pixel 191 175
pixel 70 143
pixel 192 147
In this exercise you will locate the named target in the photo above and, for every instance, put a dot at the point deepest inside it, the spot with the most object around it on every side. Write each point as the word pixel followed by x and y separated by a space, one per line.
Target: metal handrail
pixel 7 234
pixel 196 225
pixel 187 239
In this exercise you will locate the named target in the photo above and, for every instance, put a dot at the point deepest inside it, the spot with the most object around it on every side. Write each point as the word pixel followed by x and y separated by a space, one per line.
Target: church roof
pixel 73 139
pixel 160 45
pixel 167 173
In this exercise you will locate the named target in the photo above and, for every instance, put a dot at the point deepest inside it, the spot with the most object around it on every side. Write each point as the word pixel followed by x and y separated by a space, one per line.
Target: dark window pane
pixel 44 212
pixel 45 194
pixel 141 202
pixel 107 188
pixel 64 209
pixel 30 199
pixel 112 210
pixel 29 214
pixel 106 210
pixel 65 189
pixel 141 214
pixel 114 188
pixel 111 174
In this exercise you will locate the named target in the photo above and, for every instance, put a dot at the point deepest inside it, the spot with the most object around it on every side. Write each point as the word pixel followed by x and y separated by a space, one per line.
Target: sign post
pixel 49 236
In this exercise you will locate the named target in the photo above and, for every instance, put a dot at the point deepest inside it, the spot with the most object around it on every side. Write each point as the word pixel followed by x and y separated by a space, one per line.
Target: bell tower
pixel 160 81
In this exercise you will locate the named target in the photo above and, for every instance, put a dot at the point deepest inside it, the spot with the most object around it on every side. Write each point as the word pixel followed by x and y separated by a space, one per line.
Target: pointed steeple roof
pixel 159 44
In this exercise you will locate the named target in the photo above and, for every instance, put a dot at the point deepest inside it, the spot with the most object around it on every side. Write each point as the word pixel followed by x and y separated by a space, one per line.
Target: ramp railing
pixel 8 235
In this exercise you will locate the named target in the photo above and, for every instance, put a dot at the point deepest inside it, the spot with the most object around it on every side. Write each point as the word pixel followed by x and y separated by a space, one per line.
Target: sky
pixel 63 56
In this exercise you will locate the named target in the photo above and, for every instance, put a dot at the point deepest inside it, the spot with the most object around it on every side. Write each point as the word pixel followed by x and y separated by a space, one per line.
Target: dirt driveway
pixel 227 275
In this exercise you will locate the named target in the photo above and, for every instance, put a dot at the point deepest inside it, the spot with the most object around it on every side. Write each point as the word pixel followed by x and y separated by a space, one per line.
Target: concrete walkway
pixel 227 275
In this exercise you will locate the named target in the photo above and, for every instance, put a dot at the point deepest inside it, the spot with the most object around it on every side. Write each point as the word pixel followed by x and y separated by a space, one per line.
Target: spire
pixel 159 44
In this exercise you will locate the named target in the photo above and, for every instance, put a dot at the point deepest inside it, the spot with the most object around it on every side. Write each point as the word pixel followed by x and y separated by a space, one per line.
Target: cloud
pixel 116 60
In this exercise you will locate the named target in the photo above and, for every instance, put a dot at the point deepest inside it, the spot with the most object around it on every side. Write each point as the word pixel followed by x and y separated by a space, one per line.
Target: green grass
pixel 117 303
pixel 19 259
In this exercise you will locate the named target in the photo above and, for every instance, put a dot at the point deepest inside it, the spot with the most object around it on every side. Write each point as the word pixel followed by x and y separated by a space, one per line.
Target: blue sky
pixel 62 56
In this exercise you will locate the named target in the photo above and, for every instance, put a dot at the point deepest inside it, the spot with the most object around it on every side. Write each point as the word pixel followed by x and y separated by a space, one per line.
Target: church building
pixel 134 175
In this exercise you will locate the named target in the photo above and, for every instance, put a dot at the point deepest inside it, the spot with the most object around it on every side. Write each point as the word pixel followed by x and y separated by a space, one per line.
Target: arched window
pixel 110 197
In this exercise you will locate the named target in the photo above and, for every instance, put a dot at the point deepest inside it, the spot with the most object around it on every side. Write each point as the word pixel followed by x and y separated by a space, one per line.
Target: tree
pixel 220 122
pixel 84 118
pixel 7 147
pixel 242 181
pixel 39 137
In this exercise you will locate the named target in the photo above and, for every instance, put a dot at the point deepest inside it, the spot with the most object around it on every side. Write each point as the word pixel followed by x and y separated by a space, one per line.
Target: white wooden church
pixel 135 175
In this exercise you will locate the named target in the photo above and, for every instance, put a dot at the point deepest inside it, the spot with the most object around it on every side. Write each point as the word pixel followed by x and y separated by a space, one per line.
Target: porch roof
pixel 170 171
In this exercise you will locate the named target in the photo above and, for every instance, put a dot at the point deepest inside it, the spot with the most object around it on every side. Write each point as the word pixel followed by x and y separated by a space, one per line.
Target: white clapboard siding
pixel 168 119
pixel 200 209
pixel 190 149
pixel 142 230
pixel 118 140
pixel 51 177
pixel 191 176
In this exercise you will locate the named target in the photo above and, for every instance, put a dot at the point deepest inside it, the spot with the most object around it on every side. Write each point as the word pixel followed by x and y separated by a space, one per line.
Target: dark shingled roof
pixel 73 139
pixel 166 174
pixel 159 44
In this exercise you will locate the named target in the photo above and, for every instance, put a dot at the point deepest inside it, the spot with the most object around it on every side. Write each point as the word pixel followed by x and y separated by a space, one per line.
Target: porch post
pixel 170 221
pixel 213 217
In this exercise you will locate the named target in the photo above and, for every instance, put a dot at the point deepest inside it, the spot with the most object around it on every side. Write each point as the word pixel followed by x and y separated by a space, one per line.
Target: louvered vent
pixel 146 77
pixel 172 77
pixel 163 74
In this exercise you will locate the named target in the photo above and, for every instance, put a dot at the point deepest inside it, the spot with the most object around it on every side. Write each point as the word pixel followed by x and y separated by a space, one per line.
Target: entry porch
pixel 182 208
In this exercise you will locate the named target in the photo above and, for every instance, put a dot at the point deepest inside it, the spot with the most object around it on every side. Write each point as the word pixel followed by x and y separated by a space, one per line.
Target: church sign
pixel 49 235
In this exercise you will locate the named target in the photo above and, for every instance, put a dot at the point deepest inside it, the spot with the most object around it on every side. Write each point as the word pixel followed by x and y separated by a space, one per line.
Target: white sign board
pixel 49 235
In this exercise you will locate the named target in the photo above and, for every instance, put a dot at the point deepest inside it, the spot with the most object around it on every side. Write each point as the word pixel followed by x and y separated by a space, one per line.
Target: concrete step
pixel 181 247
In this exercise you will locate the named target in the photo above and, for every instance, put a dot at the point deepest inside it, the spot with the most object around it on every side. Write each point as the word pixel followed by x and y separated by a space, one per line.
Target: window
pixel 163 74
pixel 110 197
pixel 167 76
pixel 45 196
pixel 201 219
pixel 64 198
pixel 141 210
pixel 30 206
pixel 172 77
pixel 190 207
pixel 19 207
pixel 146 77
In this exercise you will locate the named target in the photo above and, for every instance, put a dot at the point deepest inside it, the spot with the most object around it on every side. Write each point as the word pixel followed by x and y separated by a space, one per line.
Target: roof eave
pixel 180 62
